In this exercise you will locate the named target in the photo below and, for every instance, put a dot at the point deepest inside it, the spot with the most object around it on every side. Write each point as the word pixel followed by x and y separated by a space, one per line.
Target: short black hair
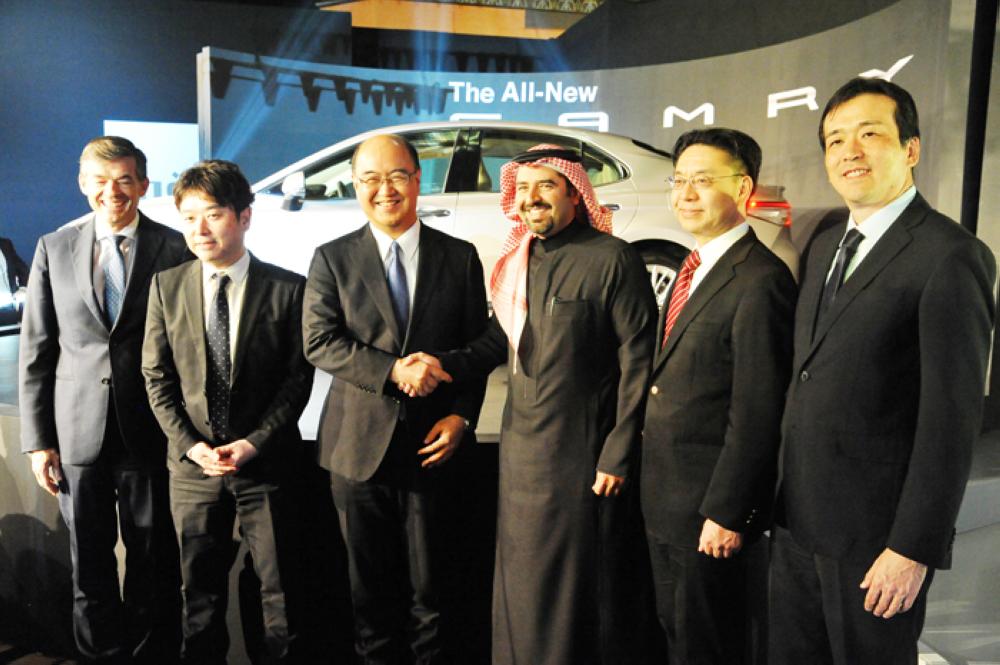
pixel 414 157
pixel 905 115
pixel 109 148
pixel 221 180
pixel 741 146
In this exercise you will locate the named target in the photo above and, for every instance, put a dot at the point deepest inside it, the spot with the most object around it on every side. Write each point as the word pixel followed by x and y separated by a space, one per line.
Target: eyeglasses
pixel 395 179
pixel 701 181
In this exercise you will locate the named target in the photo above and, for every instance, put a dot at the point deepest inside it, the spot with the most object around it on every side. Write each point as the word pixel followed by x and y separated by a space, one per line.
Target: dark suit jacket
pixel 17 270
pixel 886 395
pixel 69 359
pixel 271 378
pixel 350 332
pixel 712 430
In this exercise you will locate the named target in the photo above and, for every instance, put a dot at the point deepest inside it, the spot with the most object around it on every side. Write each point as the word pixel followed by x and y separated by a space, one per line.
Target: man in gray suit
pixel 227 381
pixel 85 420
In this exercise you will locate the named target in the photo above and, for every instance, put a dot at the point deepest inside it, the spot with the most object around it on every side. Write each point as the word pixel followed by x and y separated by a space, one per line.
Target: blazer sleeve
pixel 743 481
pixel 291 397
pixel 37 358
pixel 632 310
pixel 163 385
pixel 955 318
pixel 328 342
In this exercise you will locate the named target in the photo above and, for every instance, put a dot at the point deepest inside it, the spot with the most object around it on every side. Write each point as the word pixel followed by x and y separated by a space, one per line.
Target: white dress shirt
pixel 409 247
pixel 104 251
pixel 234 294
pixel 713 250
pixel 873 229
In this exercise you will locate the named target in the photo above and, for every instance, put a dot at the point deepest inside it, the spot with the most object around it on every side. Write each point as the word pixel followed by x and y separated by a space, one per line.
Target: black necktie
pixel 219 363
pixel 848 248
pixel 397 288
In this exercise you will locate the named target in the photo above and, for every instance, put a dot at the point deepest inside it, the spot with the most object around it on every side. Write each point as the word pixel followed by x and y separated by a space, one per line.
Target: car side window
pixel 330 178
pixel 497 146
pixel 601 169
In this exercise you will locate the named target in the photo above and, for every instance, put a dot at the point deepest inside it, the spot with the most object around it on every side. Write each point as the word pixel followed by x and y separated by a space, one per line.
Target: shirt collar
pixel 237 272
pixel 103 230
pixel 408 241
pixel 875 226
pixel 713 250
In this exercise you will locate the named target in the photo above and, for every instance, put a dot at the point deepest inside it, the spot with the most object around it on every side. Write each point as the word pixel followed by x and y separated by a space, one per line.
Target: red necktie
pixel 681 292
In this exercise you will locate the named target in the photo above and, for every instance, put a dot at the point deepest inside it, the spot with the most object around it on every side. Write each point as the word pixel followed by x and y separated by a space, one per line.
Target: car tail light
pixel 781 209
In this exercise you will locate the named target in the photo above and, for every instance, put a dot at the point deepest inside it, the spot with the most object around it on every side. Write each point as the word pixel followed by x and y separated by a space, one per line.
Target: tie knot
pixel 852 240
pixel 223 280
pixel 692 261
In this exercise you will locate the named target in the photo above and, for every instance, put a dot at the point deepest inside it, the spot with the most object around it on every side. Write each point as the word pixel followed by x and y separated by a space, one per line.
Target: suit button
pixel 654 390
pixel 105 381
pixel 804 376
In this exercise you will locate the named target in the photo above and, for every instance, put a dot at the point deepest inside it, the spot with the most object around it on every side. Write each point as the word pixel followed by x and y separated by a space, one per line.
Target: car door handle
pixel 433 212
pixel 612 206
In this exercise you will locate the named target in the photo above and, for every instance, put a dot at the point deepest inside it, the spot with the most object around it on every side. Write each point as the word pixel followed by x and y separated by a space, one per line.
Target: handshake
pixel 418 374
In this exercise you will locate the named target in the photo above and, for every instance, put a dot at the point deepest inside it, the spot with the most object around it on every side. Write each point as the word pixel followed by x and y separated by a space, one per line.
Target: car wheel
pixel 663 263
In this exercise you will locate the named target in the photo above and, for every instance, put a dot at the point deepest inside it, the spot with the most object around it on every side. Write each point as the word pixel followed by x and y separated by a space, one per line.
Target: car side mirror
pixel 294 189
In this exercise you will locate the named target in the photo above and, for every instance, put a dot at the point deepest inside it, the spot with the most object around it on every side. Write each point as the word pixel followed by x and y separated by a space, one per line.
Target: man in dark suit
pixel 384 448
pixel 15 268
pixel 227 381
pixel 85 420
pixel 711 434
pixel 892 333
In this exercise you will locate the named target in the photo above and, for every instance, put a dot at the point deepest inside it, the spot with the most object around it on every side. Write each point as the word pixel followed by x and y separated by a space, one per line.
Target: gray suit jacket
pixel 271 378
pixel 69 360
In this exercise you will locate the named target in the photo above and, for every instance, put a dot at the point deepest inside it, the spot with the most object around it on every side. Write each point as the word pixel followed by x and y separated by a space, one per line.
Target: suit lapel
pixel 885 250
pixel 372 273
pixel 720 275
pixel 822 252
pixel 258 289
pixel 428 272
pixel 83 268
pixel 193 315
pixel 148 243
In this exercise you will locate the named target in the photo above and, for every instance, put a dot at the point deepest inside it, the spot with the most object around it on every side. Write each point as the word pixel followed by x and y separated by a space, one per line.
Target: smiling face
pixel 865 161
pixel 708 213
pixel 214 233
pixel 391 208
pixel 544 200
pixel 113 189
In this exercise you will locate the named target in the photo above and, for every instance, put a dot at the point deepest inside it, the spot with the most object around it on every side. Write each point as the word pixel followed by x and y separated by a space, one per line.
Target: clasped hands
pixel 223 460
pixel 418 374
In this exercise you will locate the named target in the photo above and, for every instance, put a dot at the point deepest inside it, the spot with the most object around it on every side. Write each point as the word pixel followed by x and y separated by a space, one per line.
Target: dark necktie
pixel 219 363
pixel 848 248
pixel 397 288
pixel 681 291
pixel 114 280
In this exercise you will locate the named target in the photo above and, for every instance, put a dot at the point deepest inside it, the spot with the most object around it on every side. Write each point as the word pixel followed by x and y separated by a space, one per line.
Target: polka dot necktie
pixel 114 279
pixel 219 362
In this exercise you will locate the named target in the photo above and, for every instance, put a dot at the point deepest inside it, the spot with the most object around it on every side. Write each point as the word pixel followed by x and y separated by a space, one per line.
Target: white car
pixel 312 201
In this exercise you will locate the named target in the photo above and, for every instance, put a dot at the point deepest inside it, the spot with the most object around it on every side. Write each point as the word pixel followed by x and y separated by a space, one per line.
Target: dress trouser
pixel 205 509
pixel 817 613
pixel 701 603
pixel 140 621
pixel 388 527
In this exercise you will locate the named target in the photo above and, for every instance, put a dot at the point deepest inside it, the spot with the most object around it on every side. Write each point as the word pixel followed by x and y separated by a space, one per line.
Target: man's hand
pixel 442 440
pixel 893 583
pixel 236 454
pixel 719 542
pixel 607 485
pixel 47 469
pixel 210 461
pixel 418 374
